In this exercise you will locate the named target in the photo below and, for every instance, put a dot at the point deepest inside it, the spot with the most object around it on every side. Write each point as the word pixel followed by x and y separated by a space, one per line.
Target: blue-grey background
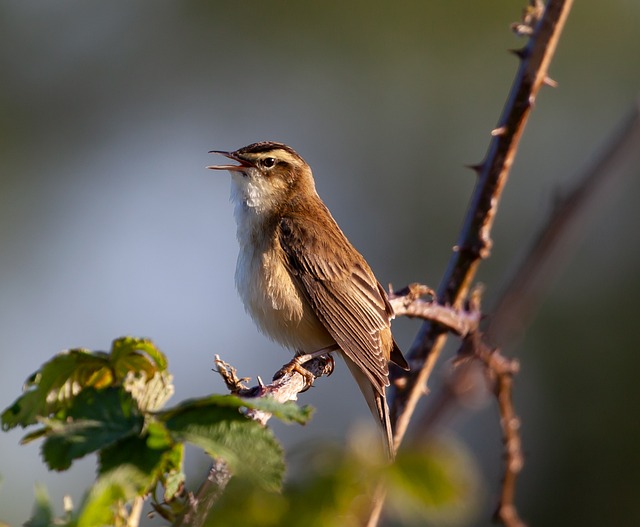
pixel 110 225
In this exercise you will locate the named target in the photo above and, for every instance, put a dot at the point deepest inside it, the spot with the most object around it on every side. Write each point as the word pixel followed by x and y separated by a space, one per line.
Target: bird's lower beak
pixel 231 155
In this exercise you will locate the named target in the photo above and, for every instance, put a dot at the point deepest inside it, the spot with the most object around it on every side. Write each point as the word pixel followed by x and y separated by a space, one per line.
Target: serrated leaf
pixel 152 393
pixel 50 390
pixel 95 420
pixel 250 450
pixel 137 355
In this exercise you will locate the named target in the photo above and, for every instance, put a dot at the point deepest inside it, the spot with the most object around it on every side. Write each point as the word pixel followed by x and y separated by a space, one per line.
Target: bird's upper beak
pixel 231 155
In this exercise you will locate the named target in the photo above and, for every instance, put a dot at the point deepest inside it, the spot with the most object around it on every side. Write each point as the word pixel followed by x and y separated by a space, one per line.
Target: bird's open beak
pixel 231 155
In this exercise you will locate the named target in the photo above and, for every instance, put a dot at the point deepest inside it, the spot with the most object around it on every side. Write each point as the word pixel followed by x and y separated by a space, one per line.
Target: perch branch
pixel 284 388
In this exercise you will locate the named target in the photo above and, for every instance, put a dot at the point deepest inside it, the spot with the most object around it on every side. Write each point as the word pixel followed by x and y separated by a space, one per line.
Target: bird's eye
pixel 269 162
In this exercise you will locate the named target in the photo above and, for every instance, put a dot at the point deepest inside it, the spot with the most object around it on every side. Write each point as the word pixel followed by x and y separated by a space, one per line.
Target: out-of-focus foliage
pixel 432 484
pixel 110 404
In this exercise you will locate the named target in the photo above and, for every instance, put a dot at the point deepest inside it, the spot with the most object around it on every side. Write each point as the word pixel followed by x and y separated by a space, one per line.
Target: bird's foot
pixel 296 365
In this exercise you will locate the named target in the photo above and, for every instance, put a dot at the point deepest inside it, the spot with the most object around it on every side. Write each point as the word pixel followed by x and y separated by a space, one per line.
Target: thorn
pixel 550 82
pixel 499 131
pixel 520 53
pixel 260 383
pixel 478 168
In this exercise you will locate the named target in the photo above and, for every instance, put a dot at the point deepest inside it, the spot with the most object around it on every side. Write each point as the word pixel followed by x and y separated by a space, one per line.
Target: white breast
pixel 266 287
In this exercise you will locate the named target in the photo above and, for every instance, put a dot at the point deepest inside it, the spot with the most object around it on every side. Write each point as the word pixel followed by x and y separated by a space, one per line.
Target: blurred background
pixel 110 225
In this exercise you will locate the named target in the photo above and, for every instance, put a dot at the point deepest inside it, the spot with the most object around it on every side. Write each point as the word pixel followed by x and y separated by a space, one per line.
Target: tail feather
pixel 397 358
pixel 377 403
pixel 382 409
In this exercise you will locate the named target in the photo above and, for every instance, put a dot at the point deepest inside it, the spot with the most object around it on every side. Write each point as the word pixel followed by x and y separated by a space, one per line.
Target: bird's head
pixel 267 175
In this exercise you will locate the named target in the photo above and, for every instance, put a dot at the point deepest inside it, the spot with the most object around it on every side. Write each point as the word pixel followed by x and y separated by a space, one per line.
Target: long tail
pixel 377 403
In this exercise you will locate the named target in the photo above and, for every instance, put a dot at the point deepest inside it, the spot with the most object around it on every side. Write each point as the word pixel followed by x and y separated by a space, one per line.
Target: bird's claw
pixel 295 365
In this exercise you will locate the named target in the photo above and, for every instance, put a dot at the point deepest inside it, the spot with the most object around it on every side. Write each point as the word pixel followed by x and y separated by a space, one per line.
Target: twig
pixel 407 302
pixel 201 503
pixel 501 370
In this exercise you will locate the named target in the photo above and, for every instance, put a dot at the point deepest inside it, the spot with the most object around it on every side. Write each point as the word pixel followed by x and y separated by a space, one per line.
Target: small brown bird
pixel 300 279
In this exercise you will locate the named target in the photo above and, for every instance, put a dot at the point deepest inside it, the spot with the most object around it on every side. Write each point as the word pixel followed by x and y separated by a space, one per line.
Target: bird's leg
pixel 296 364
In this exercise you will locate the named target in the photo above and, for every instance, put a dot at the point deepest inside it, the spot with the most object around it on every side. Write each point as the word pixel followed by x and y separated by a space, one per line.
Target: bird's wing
pixel 343 292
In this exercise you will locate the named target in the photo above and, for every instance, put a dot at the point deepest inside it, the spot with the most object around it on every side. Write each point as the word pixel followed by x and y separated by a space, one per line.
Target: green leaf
pixel 50 390
pixel 151 393
pixel 137 355
pixel 158 436
pixel 95 420
pixel 288 412
pixel 250 450
pixel 133 362
pixel 156 464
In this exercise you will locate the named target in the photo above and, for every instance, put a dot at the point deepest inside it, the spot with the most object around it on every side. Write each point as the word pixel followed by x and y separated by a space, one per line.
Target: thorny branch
pixel 522 294
pixel 514 309
pixel 474 242
pixel 501 371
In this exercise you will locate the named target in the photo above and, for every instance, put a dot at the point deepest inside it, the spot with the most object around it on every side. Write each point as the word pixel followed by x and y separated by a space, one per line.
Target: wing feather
pixel 342 290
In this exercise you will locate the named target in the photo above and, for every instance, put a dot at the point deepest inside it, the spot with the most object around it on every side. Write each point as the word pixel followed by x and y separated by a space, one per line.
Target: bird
pixel 301 280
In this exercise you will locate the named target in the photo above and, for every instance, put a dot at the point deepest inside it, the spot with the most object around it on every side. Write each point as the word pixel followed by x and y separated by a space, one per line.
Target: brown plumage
pixel 301 280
